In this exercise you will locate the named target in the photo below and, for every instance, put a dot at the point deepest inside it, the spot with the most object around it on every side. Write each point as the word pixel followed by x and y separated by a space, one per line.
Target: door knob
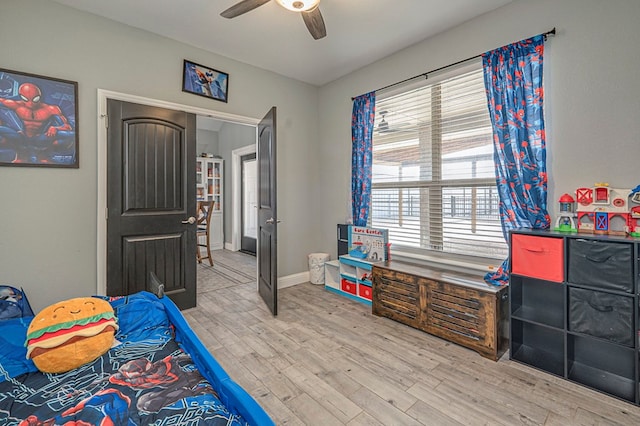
pixel 189 221
pixel 271 221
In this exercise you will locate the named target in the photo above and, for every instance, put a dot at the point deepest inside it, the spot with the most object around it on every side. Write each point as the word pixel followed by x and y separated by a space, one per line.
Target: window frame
pixel 436 185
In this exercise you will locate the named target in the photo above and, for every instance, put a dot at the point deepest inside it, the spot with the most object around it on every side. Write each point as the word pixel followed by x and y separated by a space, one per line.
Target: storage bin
pixel 349 286
pixel 364 291
pixel 605 315
pixel 13 303
pixel 537 257
pixel 601 264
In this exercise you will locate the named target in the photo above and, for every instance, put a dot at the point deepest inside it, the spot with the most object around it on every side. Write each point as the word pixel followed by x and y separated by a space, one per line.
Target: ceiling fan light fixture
pixel 383 125
pixel 299 5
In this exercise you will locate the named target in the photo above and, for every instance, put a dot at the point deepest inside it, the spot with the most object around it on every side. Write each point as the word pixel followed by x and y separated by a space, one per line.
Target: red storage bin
pixel 348 286
pixel 537 257
pixel 364 291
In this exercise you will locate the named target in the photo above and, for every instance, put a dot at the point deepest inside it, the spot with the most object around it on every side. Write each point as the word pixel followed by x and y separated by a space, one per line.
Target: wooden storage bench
pixel 457 307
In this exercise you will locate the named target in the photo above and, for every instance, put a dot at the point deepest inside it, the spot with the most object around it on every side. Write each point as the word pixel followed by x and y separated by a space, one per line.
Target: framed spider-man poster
pixel 38 120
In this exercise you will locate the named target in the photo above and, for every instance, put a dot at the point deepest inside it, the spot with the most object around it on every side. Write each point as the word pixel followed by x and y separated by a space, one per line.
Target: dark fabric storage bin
pixel 13 303
pixel 601 264
pixel 604 315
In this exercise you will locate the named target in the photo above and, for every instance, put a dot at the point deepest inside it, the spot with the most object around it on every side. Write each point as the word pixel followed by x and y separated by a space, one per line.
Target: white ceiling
pixel 270 37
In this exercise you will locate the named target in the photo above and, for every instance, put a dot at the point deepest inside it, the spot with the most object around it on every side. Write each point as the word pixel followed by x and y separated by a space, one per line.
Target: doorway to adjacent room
pixel 248 204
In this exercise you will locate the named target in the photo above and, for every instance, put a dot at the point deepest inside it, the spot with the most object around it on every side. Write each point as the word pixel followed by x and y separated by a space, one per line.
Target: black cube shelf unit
pixel 574 308
pixel 343 239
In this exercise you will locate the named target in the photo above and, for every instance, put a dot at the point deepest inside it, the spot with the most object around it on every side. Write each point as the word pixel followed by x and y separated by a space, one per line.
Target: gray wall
pixel 231 137
pixel 48 229
pixel 592 103
pixel 206 141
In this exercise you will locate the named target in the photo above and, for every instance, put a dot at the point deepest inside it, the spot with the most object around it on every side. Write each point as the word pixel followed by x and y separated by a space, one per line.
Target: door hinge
pixel 106 120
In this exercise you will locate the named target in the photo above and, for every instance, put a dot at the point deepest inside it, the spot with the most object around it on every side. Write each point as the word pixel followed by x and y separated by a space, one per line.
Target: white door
pixel 249 204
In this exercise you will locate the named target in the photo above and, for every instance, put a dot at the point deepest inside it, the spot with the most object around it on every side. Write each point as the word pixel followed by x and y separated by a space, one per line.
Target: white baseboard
pixel 283 282
pixel 291 280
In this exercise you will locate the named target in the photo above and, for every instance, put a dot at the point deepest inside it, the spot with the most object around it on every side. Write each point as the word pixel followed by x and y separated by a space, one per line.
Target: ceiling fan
pixel 383 125
pixel 394 124
pixel 308 8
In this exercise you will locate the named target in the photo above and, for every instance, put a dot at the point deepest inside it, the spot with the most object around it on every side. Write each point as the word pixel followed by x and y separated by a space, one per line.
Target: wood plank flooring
pixel 325 360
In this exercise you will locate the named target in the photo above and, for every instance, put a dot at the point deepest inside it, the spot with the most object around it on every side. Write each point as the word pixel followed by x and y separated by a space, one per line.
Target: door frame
pixel 236 171
pixel 103 95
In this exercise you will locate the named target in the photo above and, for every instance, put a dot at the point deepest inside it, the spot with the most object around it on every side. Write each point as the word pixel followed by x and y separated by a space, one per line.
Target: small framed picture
pixel 38 120
pixel 205 81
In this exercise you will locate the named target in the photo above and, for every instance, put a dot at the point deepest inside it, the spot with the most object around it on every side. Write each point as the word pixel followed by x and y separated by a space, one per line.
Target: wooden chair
pixel 203 212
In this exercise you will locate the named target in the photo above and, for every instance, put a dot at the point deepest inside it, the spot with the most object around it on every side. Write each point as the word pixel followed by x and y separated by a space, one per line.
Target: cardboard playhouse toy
pixel 600 210
pixel 370 244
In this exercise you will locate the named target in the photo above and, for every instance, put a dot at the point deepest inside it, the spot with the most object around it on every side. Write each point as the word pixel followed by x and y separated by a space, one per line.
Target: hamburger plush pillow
pixel 70 333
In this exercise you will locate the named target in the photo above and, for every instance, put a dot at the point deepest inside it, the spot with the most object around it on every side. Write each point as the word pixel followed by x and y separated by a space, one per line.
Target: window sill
pixel 470 265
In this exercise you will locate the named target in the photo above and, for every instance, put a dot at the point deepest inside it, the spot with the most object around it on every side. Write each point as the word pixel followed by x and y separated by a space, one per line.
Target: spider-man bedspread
pixel 159 374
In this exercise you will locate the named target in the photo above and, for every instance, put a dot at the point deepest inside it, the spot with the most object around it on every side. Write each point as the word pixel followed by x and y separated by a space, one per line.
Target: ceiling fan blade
pixel 242 7
pixel 314 22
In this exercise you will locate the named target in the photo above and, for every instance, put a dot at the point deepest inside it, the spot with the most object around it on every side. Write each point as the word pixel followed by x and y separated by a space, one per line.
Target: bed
pixel 158 373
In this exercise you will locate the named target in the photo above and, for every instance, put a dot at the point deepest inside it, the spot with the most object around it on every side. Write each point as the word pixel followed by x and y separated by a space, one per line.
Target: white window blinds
pixel 433 175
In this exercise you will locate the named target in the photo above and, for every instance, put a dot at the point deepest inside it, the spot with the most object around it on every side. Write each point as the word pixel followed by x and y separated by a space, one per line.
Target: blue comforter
pixel 147 378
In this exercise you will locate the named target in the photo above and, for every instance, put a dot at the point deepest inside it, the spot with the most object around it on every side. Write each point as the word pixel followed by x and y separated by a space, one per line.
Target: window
pixel 433 182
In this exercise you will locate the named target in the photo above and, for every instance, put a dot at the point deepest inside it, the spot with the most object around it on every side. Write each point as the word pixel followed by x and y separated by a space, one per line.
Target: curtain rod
pixel 425 74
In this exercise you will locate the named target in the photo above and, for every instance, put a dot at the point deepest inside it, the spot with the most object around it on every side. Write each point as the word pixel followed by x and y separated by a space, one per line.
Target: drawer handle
pixel 601 308
pixel 535 250
pixel 598 260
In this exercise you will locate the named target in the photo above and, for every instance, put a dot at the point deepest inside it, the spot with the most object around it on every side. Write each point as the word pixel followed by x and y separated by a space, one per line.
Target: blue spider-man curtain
pixel 513 80
pixel 362 119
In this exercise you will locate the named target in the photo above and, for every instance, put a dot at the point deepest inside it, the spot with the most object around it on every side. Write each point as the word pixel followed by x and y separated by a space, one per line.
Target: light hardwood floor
pixel 325 360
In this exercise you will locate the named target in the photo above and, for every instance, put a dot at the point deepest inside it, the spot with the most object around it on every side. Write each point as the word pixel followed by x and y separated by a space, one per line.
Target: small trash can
pixel 316 267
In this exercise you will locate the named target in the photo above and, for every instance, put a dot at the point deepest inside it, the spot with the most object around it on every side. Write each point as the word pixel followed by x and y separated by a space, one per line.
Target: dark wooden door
pixel 151 200
pixel 267 212
pixel 248 206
